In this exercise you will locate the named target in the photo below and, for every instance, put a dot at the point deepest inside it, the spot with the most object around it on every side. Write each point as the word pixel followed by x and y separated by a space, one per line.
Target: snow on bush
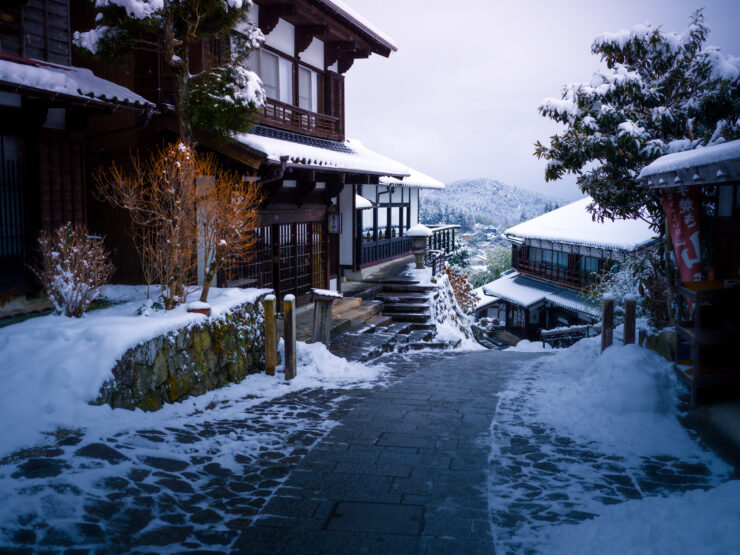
pixel 693 522
pixel 73 268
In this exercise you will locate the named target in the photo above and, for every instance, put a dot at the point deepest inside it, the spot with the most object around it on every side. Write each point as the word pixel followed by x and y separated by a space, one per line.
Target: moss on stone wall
pixel 188 361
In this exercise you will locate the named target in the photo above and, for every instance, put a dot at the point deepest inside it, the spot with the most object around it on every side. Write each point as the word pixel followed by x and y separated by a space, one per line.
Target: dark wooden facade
pixel 295 249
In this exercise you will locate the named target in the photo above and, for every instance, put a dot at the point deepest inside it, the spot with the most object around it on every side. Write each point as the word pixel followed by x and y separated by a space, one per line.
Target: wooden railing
pixel 556 274
pixel 375 251
pixel 443 238
pixel 436 260
pixel 293 118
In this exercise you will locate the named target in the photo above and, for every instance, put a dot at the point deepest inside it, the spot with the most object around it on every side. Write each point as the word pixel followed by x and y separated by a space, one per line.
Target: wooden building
pixel 46 106
pixel 700 190
pixel 313 220
pixel 554 257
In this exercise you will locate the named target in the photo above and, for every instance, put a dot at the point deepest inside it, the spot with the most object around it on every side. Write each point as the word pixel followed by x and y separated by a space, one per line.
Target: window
pixel 535 254
pixel 589 266
pixel 547 257
pixel 560 259
pixel 277 77
pixel 308 89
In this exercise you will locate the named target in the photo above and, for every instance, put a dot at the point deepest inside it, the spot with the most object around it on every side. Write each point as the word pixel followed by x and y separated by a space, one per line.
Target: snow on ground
pixel 697 521
pixel 53 366
pixel 103 477
pixel 577 435
pixel 527 346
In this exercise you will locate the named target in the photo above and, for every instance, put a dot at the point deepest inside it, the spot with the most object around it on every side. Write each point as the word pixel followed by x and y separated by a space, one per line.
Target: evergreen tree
pixel 222 100
pixel 660 93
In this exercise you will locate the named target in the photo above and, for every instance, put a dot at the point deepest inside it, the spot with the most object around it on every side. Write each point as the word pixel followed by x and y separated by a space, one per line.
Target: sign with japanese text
pixel 683 211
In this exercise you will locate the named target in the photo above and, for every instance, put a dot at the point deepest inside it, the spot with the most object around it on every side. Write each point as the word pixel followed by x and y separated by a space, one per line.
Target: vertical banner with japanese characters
pixel 683 211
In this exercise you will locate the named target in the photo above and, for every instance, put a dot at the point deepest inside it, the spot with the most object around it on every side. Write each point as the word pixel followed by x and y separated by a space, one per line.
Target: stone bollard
pixel 268 304
pixel 630 311
pixel 419 234
pixel 289 336
pixel 607 326
pixel 323 301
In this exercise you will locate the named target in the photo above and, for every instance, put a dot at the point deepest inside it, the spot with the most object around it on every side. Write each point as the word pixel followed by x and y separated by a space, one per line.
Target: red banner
pixel 683 211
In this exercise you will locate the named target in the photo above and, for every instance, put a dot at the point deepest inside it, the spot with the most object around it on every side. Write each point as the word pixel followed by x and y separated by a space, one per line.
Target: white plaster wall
pixel 314 54
pixel 345 237
pixel 282 37
pixel 414 206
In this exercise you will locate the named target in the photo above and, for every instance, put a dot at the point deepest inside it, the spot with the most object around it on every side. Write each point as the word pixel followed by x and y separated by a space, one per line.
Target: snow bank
pixel 53 365
pixel 695 522
pixel 623 399
pixel 527 346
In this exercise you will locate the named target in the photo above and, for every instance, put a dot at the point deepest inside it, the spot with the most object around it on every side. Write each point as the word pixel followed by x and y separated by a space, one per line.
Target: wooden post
pixel 289 336
pixel 607 326
pixel 323 302
pixel 630 311
pixel 268 304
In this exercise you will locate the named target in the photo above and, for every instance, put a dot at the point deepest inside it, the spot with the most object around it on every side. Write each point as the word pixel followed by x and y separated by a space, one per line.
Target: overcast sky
pixel 459 99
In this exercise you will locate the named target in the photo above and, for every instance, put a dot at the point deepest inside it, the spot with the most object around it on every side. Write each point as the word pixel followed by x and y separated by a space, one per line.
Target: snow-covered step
pixel 398 288
pixel 414 308
pixel 400 297
pixel 420 317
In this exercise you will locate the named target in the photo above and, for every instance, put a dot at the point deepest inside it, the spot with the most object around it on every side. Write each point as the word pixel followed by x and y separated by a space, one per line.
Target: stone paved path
pixel 405 472
pixel 404 468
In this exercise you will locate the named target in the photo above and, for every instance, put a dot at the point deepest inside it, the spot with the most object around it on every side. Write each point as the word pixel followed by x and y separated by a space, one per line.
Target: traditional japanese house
pixel 700 190
pixel 554 257
pixel 322 190
pixel 46 107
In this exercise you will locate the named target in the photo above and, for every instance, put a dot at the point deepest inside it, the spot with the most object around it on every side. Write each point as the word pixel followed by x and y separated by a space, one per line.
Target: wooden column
pixel 268 304
pixel 322 316
pixel 630 311
pixel 607 325
pixel 289 336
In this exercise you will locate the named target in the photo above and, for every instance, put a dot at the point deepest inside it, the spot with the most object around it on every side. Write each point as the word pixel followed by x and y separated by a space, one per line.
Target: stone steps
pixel 413 288
pixel 417 317
pixel 399 297
pixel 409 308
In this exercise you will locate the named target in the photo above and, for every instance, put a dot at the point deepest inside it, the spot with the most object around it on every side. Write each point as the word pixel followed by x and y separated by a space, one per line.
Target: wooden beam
pixel 345 62
pixel 333 50
pixel 269 15
pixel 304 35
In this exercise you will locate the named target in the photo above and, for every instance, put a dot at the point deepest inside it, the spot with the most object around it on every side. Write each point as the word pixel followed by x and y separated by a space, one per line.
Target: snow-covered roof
pixel 703 165
pixel 526 292
pixel 573 224
pixel 76 82
pixel 350 155
pixel 416 179
pixel 484 299
pixel 361 203
pixel 355 18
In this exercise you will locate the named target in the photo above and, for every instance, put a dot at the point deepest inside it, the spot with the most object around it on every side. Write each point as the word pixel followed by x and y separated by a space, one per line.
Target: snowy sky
pixel 459 99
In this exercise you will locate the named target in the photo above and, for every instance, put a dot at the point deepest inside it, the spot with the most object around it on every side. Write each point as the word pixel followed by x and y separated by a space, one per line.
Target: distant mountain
pixel 484 201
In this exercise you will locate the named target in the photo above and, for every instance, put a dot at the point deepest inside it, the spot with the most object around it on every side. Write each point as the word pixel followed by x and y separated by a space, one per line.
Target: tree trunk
pixel 211 274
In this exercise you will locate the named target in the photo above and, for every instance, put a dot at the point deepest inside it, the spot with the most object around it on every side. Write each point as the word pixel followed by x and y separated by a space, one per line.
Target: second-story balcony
pixel 556 274
pixel 292 118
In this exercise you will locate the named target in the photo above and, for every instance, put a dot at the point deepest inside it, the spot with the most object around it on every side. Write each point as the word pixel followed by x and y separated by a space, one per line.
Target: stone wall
pixel 189 361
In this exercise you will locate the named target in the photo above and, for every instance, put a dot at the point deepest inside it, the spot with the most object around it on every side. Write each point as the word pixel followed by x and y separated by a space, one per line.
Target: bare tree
pixel 161 196
pixel 181 202
pixel 227 214
pixel 73 268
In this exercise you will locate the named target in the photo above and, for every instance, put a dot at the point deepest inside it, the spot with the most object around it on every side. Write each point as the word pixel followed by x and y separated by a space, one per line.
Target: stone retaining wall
pixel 189 361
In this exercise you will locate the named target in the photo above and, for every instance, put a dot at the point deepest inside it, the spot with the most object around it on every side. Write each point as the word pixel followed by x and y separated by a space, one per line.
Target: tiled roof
pixel 282 135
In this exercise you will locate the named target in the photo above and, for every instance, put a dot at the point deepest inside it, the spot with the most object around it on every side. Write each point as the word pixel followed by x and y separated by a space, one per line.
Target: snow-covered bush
pixel 499 260
pixel 640 277
pixel 73 268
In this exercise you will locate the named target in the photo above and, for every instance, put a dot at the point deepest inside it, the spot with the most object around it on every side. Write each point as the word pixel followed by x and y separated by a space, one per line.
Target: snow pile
pixel 72 81
pixel 53 365
pixel 623 399
pixel 317 367
pixel 527 346
pixel 694 522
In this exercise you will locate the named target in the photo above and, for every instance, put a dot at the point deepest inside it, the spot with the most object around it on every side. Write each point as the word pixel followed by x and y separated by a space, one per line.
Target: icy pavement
pixel 576 436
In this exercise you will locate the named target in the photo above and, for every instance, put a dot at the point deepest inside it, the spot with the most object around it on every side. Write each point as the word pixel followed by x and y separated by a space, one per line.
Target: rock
pixel 102 452
pixel 168 465
pixel 40 468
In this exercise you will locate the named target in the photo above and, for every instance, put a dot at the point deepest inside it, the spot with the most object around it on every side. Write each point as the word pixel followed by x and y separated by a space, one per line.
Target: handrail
pixel 292 118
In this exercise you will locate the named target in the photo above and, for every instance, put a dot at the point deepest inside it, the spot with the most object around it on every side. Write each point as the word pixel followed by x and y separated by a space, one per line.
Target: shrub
pixel 73 267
